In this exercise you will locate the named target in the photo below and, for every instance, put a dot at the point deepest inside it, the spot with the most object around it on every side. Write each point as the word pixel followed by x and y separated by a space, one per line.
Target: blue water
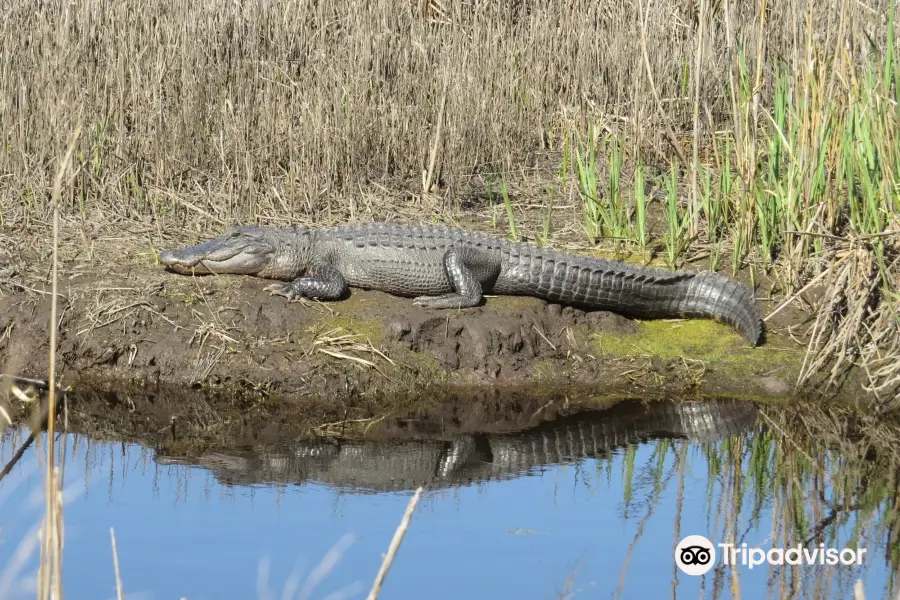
pixel 181 533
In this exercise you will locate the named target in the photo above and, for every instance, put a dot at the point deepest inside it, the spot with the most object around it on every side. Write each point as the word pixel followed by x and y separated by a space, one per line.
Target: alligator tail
pixel 710 295
pixel 635 291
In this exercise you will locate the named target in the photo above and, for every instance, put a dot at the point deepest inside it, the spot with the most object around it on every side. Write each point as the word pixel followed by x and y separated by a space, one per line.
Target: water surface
pixel 590 506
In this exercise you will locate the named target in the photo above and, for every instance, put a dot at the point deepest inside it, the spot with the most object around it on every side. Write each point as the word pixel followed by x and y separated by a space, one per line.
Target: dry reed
pixel 278 110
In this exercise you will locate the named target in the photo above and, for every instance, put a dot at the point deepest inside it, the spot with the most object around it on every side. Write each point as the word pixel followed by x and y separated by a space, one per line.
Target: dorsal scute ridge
pixel 430 232
pixel 602 265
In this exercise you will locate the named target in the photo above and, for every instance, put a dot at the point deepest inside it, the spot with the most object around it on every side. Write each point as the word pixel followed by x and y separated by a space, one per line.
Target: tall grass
pixel 807 184
pixel 677 220
pixel 224 103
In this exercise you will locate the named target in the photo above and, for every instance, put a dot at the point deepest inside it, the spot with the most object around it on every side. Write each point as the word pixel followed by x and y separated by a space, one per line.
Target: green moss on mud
pixel 672 339
pixel 715 344
pixel 420 366
pixel 511 303
pixel 545 370
pixel 717 359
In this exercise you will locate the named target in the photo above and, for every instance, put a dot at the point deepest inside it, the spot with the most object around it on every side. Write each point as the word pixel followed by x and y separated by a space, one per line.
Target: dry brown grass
pixel 855 325
pixel 206 113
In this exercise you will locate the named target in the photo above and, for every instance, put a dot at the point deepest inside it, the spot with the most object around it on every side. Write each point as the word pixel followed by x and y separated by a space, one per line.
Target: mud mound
pixel 492 341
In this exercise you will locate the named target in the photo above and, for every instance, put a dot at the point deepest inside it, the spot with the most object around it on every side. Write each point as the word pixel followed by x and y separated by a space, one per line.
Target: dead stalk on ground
pixel 345 346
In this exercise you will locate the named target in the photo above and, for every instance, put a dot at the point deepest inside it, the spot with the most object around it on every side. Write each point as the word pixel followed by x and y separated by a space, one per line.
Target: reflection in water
pixel 591 505
pixel 370 465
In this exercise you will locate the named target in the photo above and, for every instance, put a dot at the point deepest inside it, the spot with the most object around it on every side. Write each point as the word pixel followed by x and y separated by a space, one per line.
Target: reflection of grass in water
pixel 777 470
pixel 818 483
pixel 49 582
pixel 11 576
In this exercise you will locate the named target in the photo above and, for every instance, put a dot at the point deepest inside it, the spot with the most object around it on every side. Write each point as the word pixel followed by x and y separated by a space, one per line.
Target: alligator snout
pixel 235 252
pixel 180 261
pixel 172 258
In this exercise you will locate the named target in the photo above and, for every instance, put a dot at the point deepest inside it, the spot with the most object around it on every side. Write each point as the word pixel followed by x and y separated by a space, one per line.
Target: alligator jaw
pixel 241 251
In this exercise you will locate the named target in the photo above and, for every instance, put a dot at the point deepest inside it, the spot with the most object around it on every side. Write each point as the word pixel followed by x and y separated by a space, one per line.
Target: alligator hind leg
pixel 468 288
pixel 326 283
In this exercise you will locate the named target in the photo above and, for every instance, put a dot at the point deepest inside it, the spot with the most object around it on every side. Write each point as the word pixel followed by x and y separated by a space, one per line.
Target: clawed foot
pixel 284 289
pixel 422 301
pixel 436 302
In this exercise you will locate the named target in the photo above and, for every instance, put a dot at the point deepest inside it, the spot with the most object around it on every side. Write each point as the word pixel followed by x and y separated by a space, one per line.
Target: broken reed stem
pixel 802 291
pixel 429 175
pixel 119 593
pixel 395 545
pixel 695 209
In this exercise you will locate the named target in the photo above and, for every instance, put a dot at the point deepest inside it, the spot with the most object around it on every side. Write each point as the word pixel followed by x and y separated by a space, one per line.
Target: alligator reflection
pixel 380 466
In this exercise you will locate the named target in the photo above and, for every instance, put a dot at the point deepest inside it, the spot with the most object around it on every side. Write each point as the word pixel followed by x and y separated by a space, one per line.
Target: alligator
pixel 373 466
pixel 450 267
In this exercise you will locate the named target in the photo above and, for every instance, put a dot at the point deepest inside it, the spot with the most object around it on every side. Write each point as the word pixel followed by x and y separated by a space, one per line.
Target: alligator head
pixel 261 251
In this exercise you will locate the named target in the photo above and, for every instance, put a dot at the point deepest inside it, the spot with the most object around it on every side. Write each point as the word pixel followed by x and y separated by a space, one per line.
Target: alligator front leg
pixel 325 283
pixel 468 288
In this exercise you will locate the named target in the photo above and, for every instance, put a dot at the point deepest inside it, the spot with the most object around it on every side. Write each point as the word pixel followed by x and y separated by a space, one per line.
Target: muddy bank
pixel 227 332
pixel 124 320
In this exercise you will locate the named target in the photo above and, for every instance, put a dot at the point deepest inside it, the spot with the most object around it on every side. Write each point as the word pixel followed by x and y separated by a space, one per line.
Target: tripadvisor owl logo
pixel 695 555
